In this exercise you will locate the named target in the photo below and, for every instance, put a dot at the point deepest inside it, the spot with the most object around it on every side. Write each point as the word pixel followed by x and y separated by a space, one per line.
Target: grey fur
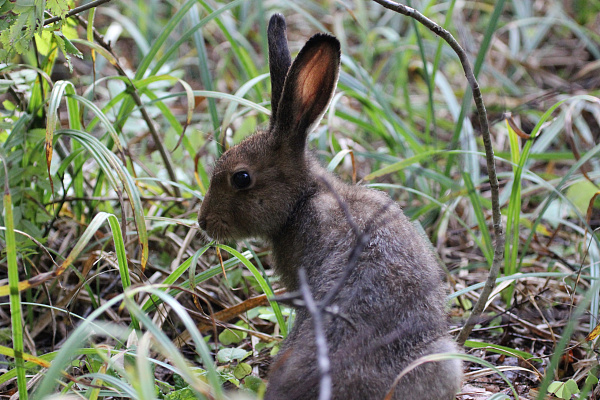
pixel 393 300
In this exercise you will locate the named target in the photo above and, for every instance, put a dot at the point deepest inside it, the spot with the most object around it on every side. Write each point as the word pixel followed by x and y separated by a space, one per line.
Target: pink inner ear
pixel 312 78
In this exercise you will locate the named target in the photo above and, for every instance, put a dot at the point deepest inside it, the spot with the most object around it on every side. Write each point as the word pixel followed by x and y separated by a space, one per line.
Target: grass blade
pixel 15 296
pixel 481 222
pixel 111 165
pixel 205 75
pixel 263 285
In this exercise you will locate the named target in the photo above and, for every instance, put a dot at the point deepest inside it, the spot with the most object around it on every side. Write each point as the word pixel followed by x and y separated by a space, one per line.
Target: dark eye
pixel 241 180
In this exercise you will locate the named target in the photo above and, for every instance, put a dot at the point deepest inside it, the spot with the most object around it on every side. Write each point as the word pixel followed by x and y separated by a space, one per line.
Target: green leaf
pixel 242 370
pixel 495 348
pixel 563 390
pixel 230 336
pixel 274 350
pixel 556 387
pixel 67 48
pixel 181 394
pixel 58 8
pixel 571 385
pixel 253 383
pixel 8 105
pixel 6 6
pixel 20 20
pixel 591 380
pixel 230 354
pixel 580 194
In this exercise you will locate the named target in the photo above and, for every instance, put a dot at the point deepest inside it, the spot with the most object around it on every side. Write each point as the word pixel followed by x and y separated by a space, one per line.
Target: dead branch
pixel 489 155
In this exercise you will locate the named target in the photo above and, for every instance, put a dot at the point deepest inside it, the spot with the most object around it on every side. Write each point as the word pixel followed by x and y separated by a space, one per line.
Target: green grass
pixel 132 140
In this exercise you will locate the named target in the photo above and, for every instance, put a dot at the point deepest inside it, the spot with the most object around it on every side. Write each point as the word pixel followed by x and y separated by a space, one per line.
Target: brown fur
pixel 392 302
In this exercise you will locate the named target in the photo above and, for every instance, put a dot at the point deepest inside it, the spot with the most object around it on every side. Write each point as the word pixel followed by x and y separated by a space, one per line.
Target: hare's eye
pixel 241 180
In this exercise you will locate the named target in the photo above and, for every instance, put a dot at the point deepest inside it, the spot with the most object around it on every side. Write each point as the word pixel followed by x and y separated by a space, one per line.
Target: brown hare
pixel 390 308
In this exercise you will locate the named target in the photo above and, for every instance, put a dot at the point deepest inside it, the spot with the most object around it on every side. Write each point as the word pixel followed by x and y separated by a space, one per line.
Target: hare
pixel 390 307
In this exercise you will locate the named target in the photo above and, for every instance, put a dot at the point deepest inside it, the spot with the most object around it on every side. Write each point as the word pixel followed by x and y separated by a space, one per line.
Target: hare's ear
pixel 308 89
pixel 279 59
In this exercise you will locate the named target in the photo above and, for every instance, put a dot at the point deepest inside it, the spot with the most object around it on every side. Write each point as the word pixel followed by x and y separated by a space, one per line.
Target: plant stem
pixel 76 11
pixel 138 101
pixel 489 155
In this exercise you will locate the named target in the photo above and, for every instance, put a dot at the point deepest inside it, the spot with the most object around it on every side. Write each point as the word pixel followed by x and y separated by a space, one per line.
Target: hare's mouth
pixel 217 230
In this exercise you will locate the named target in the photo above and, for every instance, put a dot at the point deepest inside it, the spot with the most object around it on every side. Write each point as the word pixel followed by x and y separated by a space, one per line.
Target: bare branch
pixel 362 239
pixel 76 11
pixel 114 198
pixel 138 101
pixel 489 155
pixel 320 339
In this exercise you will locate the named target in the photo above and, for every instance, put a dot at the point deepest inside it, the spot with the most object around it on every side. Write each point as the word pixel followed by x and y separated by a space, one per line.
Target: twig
pixel 113 198
pixel 138 101
pixel 362 239
pixel 489 155
pixel 320 340
pixel 75 11
pixel 294 299
pixel 97 35
pixel 19 99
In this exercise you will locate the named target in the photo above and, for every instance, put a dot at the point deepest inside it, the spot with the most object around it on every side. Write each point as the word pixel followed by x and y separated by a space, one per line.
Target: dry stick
pixel 320 340
pixel 75 11
pixel 113 198
pixel 317 308
pixel 138 101
pixel 362 239
pixel 489 155
pixel 134 93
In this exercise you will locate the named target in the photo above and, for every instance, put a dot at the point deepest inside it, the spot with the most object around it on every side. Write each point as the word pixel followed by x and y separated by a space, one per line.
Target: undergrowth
pixel 109 290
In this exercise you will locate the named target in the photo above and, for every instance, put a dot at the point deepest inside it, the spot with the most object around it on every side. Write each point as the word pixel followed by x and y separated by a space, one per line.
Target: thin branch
pixel 134 93
pixel 362 239
pixel 76 11
pixel 18 98
pixel 489 155
pixel 138 101
pixel 97 35
pixel 320 340
pixel 114 198
pixel 294 299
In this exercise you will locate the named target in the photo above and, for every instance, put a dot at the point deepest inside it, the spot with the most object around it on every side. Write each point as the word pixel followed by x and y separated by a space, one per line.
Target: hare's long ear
pixel 308 89
pixel 279 59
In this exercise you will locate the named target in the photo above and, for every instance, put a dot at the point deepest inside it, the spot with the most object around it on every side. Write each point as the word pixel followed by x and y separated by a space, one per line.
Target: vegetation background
pixel 112 118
